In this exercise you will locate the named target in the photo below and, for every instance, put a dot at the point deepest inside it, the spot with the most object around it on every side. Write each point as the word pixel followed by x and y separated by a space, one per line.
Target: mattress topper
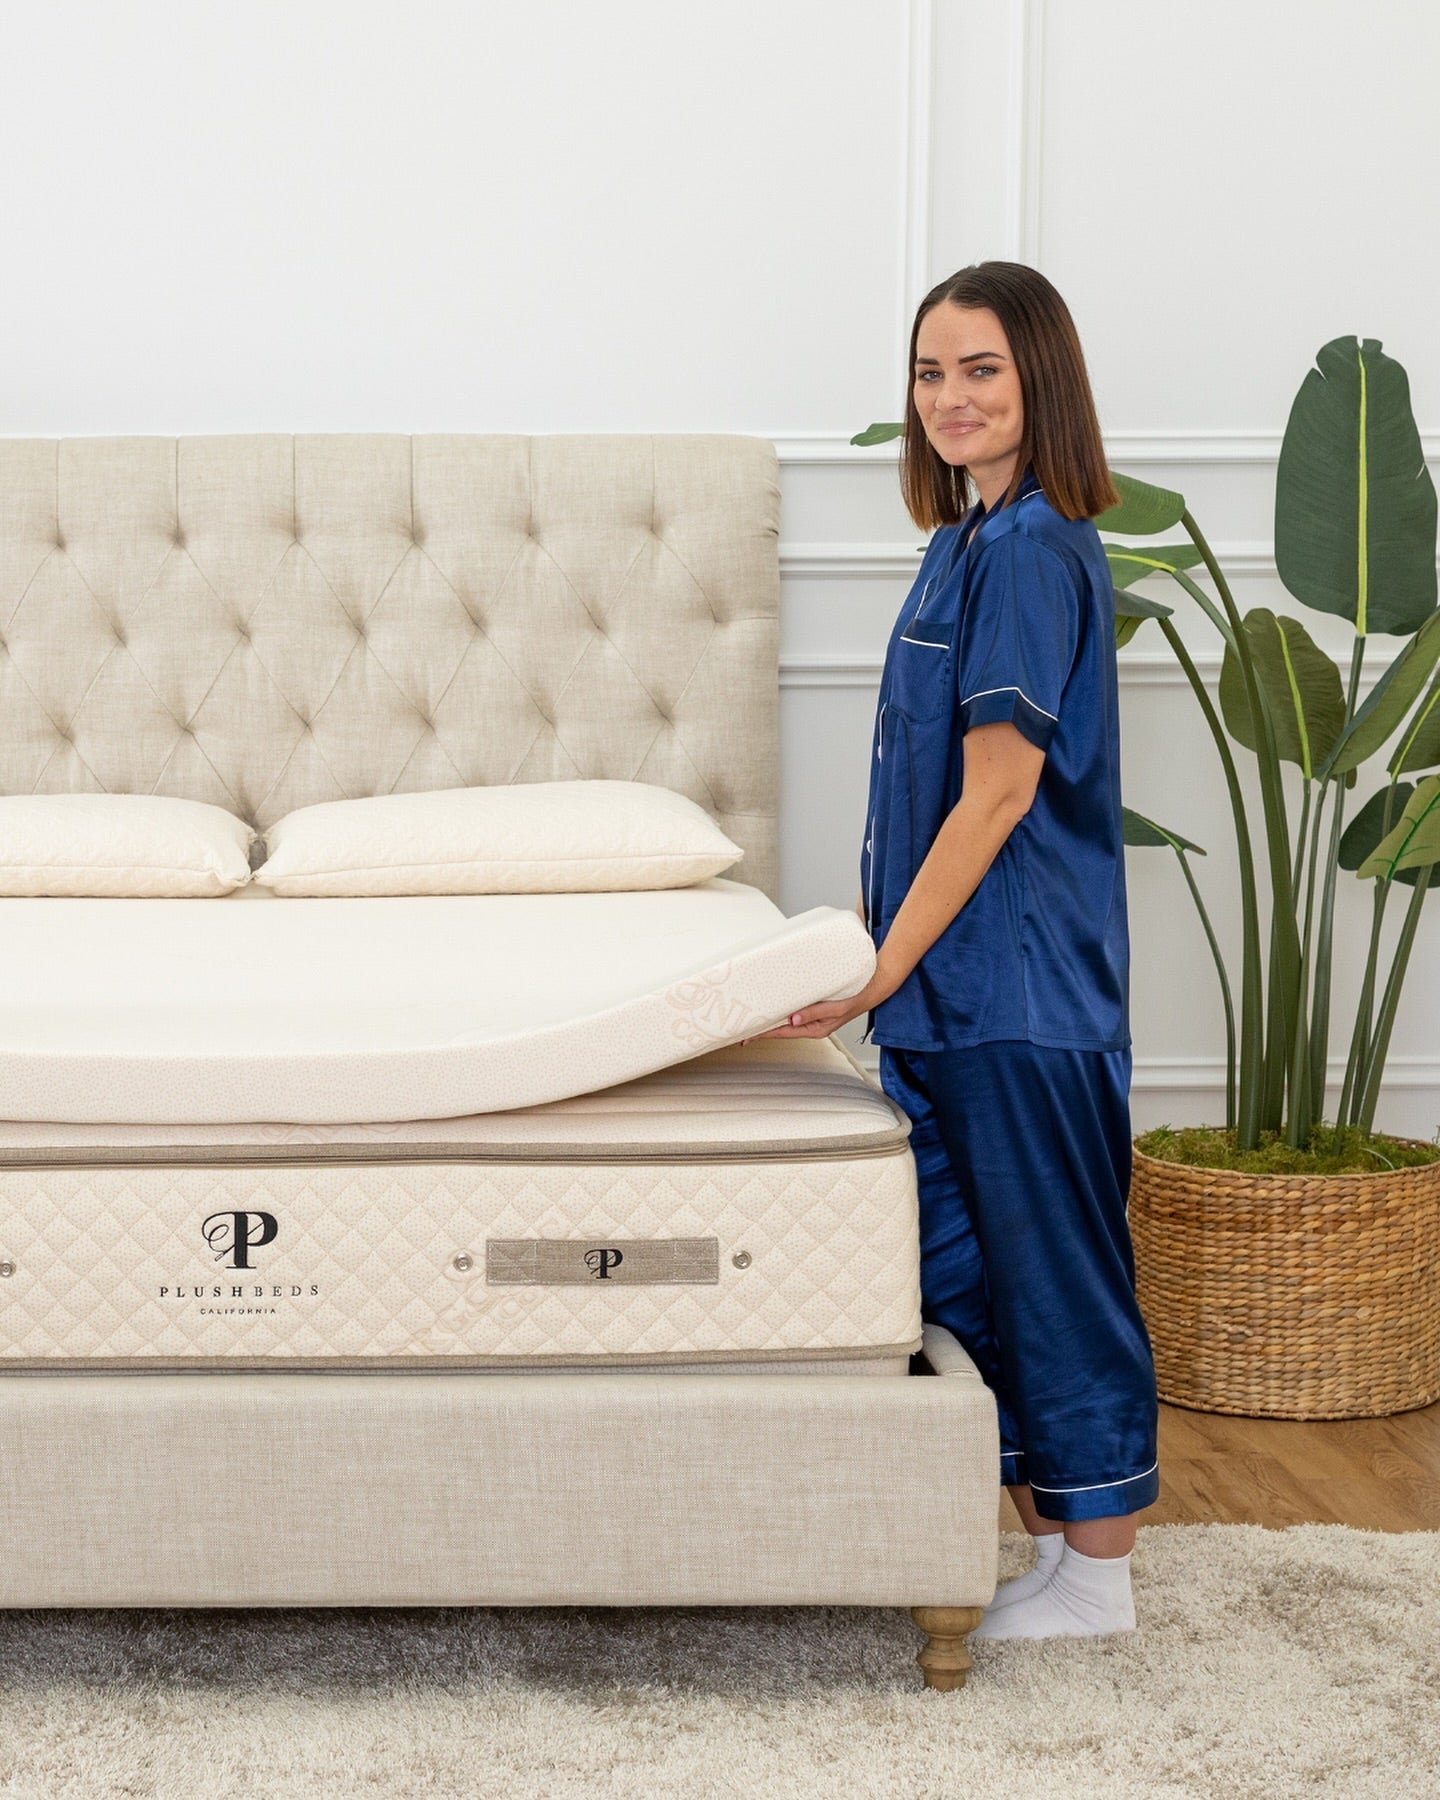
pixel 325 1011
pixel 770 1100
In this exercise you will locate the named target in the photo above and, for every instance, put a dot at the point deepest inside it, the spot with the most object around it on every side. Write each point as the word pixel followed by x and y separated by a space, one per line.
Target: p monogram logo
pixel 237 1234
pixel 601 1262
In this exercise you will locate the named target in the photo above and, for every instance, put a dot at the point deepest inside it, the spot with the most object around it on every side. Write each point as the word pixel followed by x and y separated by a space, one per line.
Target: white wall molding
pixel 1177 1073
pixel 914 274
pixel 1031 130
pixel 1144 668
pixel 820 449
pixel 1176 446
pixel 1206 1074
pixel 849 559
pixel 1167 445
pixel 831 671
pixel 1138 669
pixel 1242 559
pixel 1023 145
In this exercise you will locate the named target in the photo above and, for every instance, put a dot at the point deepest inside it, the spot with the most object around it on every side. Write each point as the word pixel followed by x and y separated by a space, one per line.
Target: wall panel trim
pixel 1149 668
pixel 1206 1074
pixel 1144 445
pixel 1242 558
pixel 1138 669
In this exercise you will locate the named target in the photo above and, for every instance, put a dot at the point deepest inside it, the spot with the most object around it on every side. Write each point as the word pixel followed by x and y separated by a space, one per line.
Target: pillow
pixel 120 845
pixel 545 837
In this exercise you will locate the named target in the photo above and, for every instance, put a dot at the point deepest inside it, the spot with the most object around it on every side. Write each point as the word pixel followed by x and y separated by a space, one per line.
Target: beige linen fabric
pixel 348 1490
pixel 120 845
pixel 269 622
pixel 549 837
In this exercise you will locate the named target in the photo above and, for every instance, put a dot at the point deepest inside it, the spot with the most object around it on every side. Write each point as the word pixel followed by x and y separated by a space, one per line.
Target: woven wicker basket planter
pixel 1291 1296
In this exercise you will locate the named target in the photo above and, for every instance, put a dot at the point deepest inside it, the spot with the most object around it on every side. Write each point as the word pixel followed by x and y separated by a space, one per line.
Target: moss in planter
pixel 1211 1147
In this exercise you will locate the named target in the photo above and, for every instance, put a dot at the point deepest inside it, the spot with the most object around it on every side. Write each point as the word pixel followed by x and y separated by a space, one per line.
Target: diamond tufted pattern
pixel 266 622
pixel 97 1253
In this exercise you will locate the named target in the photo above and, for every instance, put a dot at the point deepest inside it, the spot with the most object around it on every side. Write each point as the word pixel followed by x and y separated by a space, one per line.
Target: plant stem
pixel 1203 601
pixel 1324 950
pixel 1390 1004
pixel 1358 1062
pixel 1284 931
pixel 1225 994
pixel 1302 1117
pixel 1299 862
pixel 1252 993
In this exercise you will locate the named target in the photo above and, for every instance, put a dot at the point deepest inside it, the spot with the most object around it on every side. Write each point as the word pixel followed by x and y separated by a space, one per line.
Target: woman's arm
pixel 1002 771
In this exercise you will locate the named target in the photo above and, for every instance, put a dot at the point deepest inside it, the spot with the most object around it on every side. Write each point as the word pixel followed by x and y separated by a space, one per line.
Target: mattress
pixel 358 1010
pixel 754 1207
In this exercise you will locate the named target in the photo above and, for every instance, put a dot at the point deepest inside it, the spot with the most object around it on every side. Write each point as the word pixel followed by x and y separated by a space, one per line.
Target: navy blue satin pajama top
pixel 1017 624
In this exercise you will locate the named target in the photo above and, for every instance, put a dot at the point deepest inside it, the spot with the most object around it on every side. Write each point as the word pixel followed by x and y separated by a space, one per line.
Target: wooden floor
pixel 1378 1474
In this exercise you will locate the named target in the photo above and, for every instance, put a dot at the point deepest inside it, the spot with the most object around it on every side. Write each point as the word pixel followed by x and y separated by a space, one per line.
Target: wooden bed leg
pixel 943 1656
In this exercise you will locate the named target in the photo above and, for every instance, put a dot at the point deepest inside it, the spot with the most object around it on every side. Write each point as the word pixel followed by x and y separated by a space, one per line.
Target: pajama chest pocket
pixel 921 673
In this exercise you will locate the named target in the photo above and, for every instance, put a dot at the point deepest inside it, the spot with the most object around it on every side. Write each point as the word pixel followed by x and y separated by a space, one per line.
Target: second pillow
pixel 547 837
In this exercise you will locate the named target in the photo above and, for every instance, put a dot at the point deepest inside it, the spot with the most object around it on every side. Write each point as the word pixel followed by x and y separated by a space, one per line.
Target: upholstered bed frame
pixel 265 622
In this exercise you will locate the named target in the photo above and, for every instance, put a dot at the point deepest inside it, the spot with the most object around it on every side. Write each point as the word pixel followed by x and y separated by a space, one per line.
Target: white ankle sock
pixel 1087 1596
pixel 1049 1547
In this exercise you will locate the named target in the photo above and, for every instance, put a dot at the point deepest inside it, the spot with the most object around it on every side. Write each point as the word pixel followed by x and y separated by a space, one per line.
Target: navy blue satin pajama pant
pixel 1023 1156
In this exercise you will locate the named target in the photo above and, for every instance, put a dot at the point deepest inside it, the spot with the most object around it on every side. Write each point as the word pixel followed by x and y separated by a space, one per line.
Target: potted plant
pixel 1286 1264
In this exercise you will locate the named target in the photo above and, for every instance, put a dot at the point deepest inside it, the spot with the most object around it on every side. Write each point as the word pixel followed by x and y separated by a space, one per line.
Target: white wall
pixel 642 216
pixel 437 214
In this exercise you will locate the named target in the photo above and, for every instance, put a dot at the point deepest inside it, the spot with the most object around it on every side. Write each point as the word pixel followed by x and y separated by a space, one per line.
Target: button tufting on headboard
pixel 608 574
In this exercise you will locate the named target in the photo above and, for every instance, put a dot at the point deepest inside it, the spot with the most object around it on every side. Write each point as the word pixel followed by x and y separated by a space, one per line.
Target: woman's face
pixel 967 393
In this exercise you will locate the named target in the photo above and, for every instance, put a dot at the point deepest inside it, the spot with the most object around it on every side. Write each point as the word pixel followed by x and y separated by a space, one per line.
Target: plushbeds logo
pixel 236 1234
pixel 233 1238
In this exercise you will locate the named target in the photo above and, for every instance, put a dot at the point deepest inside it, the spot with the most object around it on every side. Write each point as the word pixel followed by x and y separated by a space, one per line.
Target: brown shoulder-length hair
pixel 1061 435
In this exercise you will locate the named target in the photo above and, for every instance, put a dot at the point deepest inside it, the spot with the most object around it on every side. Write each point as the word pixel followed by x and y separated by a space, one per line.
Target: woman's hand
pixel 825 1016
pixel 1001 772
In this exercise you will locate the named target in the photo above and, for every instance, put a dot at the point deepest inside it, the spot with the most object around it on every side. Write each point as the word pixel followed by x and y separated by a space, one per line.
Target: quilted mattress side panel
pixel 386 1264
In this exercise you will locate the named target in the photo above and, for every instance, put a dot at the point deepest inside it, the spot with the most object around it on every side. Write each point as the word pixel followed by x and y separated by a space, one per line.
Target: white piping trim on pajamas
pixel 1097 1484
pixel 1040 709
pixel 929 643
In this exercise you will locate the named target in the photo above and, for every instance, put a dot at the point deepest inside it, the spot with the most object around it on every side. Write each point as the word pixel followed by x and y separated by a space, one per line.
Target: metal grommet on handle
pixel 464 1261
pixel 742 1259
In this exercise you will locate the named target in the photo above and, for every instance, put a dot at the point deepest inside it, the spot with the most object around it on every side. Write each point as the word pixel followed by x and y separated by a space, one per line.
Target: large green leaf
pixel 1142 833
pixel 1139 606
pixel 1144 511
pixel 1363 834
pixel 1354 503
pixel 1131 612
pixel 1389 700
pixel 1130 563
pixel 1415 841
pixel 1301 686
pixel 877 434
pixel 1419 746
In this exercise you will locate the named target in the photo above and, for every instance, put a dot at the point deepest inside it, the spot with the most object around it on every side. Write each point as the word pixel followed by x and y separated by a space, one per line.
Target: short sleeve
pixel 1018 638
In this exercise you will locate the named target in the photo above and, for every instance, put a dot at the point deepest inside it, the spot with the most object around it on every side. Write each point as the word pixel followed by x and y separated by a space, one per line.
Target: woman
pixel 993 884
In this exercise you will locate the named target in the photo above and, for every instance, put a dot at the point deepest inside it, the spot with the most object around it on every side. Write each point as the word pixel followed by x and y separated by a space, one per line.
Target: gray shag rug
pixel 1268 1664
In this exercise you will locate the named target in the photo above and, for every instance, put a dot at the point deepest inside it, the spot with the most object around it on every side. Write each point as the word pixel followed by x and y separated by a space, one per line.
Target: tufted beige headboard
pixel 265 622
